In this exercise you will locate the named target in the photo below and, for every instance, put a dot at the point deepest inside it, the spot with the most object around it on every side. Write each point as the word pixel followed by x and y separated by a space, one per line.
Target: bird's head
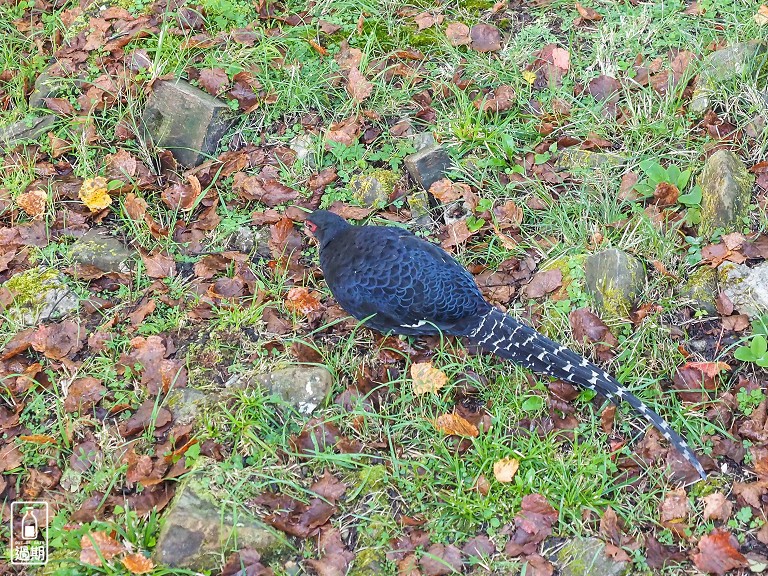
pixel 325 226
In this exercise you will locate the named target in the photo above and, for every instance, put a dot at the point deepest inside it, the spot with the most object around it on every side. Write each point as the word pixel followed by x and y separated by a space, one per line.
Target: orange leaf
pixel 138 564
pixel 455 425
pixel 505 469
pixel 427 378
pixel 301 300
pixel 96 546
pixel 38 439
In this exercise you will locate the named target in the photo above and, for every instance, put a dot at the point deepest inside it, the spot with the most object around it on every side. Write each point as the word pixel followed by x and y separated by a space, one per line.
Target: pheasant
pixel 395 282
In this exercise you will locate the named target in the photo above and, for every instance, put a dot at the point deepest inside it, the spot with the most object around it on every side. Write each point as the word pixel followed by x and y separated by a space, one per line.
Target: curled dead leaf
pixel 505 469
pixel 93 193
pixel 427 378
pixel 455 425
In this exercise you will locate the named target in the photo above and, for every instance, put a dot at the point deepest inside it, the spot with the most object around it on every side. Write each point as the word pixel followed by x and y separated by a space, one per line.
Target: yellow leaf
pixel 94 194
pixel 505 469
pixel 529 76
pixel 761 18
pixel 427 378
pixel 455 425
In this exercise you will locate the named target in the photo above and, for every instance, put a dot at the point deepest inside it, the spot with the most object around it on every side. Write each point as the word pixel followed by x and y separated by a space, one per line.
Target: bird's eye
pixel 311 226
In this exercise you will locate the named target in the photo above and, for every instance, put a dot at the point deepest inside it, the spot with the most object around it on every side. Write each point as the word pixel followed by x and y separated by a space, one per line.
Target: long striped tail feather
pixel 501 335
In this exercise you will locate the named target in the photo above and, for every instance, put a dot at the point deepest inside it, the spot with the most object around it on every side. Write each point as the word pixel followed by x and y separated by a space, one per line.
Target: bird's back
pixel 411 285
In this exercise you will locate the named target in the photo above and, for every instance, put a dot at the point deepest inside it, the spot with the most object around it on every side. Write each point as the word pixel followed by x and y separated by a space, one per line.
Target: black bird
pixel 398 283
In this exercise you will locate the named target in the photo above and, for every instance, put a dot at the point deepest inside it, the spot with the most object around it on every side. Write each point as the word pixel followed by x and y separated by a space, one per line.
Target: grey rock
pixel 423 140
pixel 615 279
pixel 199 528
pixel 726 189
pixel 418 202
pixel 583 556
pixel 97 248
pixel 186 121
pixel 374 188
pixel 303 387
pixel 26 130
pixel 40 294
pixel 47 86
pixel 575 158
pixel 730 63
pixel 746 287
pixel 185 404
pixel 429 165
pixel 701 289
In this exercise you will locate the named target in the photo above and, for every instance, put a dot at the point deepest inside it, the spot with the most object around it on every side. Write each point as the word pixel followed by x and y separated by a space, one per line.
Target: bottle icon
pixel 29 526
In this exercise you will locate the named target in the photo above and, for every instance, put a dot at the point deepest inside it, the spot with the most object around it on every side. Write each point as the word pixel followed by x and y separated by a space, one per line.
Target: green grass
pixel 413 464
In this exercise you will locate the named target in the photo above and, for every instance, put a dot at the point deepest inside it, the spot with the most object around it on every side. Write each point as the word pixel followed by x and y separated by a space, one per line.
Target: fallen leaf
pixel 501 100
pixel 717 507
pixel 447 191
pixel 426 20
pixel 458 34
pixel 159 264
pixel 94 195
pixel 455 425
pixel 543 282
pixel 345 132
pixel 213 80
pixel 427 378
pixel 33 203
pixel 95 546
pixel 138 564
pixel 761 17
pixel 245 562
pixel 718 553
pixel 674 507
pixel 666 194
pixel 587 14
pixel 485 38
pixel 357 85
pixel 439 560
pixel 505 469
pixel 301 300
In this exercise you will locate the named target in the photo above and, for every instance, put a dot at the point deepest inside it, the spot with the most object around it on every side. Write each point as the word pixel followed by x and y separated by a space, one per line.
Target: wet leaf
pixel 83 393
pixel 357 85
pixel 427 378
pixel 458 34
pixel 159 264
pixel 485 38
pixel 455 425
pixel 213 80
pixel 93 193
pixel 97 545
pixel 718 553
pixel 137 564
pixel 543 283
pixel 33 203
pixel 717 507
pixel 505 469
pixel 300 300
pixel 345 132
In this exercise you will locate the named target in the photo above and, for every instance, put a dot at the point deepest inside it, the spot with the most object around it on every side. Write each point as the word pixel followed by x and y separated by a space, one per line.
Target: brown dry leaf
pixel 301 300
pixel 717 507
pixel 455 425
pixel 675 508
pixel 458 34
pixel 83 393
pixel 213 80
pixel 482 485
pixel 97 545
pixel 447 191
pixel 505 469
pixel 348 58
pixel 357 85
pixel 485 38
pixel 158 265
pixel 345 132
pixel 588 327
pixel 718 553
pixel 427 378
pixel 33 203
pixel 761 17
pixel 666 194
pixel 138 564
pixel 245 562
pixel 587 14
pixel 457 233
pixel 94 195
pixel 426 20
pixel 543 283
pixel 502 99
pixel 440 560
